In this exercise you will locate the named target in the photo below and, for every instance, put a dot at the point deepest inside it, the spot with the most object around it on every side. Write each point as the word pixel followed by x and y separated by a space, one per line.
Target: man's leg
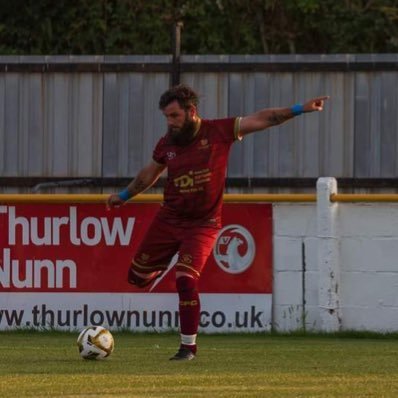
pixel 189 311
pixel 193 254
pixel 153 255
pixel 141 279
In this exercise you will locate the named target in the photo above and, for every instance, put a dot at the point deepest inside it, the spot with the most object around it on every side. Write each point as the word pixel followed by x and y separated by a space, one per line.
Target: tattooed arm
pixel 144 180
pixel 265 118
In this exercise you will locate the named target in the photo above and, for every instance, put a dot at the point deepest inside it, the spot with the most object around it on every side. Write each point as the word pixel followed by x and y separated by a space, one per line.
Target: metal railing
pixel 228 198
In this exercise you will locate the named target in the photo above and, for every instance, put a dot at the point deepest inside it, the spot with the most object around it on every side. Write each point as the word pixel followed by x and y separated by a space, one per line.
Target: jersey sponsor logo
pixel 235 249
pixel 193 178
pixel 184 181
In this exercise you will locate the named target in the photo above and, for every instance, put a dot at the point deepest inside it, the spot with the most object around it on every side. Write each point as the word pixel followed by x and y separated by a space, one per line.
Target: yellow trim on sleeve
pixel 237 134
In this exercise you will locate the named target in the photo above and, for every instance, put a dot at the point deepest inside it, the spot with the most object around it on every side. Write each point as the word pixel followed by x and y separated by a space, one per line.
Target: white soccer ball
pixel 95 342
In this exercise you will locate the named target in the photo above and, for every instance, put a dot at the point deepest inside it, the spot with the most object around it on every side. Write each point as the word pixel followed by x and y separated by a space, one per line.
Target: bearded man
pixel 195 152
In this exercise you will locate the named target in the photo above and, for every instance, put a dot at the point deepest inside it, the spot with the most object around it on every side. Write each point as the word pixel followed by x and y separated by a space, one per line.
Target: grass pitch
pixel 47 364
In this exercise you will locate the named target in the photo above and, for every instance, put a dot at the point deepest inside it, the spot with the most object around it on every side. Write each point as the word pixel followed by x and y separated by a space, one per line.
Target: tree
pixel 210 26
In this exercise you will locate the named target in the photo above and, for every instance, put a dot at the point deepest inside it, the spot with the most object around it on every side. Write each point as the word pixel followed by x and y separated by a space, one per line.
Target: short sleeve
pixel 158 153
pixel 228 129
pixel 237 135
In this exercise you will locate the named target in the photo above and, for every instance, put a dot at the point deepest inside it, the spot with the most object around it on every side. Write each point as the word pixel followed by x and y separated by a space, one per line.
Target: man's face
pixel 181 123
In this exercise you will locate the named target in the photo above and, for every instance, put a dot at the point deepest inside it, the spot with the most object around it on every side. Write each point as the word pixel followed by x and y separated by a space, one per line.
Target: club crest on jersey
pixel 204 143
pixel 235 249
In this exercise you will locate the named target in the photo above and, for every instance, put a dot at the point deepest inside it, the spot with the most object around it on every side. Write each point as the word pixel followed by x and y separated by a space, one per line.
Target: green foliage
pixel 210 26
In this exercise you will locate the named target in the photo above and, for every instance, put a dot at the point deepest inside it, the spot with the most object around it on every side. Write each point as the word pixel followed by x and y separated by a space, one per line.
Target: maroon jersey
pixel 196 173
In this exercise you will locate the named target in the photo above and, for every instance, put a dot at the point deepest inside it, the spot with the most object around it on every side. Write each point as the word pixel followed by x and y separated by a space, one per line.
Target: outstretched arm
pixel 265 118
pixel 144 180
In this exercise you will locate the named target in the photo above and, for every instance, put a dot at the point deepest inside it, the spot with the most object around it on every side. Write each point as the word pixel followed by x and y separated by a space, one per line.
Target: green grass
pixel 47 364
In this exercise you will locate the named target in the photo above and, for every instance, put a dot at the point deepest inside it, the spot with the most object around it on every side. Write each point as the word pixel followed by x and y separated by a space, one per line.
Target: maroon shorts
pixel 162 241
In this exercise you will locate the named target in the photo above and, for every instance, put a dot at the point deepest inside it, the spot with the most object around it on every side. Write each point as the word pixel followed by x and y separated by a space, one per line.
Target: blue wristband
pixel 297 109
pixel 125 195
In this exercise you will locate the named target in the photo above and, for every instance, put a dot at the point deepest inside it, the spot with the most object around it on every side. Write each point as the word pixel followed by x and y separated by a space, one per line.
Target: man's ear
pixel 192 111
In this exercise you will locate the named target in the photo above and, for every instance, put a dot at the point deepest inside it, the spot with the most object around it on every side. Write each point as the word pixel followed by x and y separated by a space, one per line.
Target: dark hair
pixel 181 93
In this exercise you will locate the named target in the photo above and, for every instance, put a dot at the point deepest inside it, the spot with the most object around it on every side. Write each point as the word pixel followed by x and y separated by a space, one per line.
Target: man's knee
pixel 137 280
pixel 186 284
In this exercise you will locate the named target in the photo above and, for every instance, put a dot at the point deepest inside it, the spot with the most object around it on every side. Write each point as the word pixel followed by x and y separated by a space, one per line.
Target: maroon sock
pixel 189 307
pixel 189 347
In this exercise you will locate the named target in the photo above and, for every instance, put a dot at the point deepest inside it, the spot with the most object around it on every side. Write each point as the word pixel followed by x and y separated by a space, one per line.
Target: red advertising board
pixel 85 248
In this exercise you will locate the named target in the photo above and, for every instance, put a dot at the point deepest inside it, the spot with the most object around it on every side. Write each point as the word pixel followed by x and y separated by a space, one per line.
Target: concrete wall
pixel 344 279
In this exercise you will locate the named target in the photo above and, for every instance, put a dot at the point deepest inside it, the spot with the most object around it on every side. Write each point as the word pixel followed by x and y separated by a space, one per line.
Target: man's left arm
pixel 269 117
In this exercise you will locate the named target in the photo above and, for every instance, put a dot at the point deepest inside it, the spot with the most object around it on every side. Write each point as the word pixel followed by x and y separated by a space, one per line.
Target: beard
pixel 184 135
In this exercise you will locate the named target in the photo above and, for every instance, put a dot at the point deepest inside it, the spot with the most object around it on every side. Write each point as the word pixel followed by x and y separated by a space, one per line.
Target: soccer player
pixel 195 153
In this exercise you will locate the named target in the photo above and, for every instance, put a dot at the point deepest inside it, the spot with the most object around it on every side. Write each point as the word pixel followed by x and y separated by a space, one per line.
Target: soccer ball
pixel 95 342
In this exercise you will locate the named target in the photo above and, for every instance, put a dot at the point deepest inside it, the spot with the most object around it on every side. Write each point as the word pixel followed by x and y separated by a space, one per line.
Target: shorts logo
pixel 186 258
pixel 235 249
pixel 144 257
